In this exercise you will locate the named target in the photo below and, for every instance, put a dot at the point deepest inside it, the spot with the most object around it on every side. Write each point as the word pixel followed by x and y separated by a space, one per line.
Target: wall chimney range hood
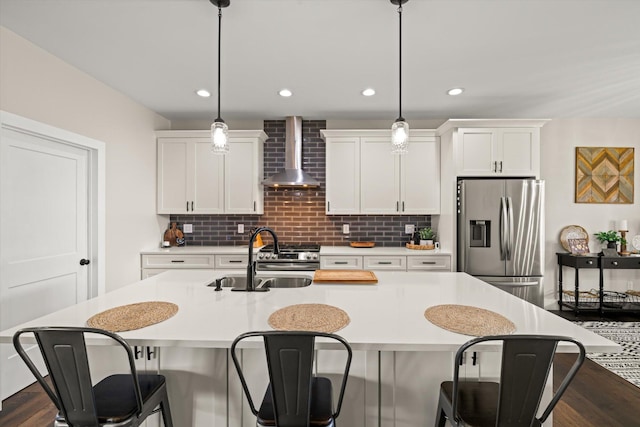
pixel 292 175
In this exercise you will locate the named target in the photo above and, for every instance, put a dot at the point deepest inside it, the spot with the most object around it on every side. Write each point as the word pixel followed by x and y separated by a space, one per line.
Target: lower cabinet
pixel 387 262
pixel 153 264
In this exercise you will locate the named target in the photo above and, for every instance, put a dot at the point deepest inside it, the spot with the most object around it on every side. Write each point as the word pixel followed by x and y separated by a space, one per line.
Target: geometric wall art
pixel 604 174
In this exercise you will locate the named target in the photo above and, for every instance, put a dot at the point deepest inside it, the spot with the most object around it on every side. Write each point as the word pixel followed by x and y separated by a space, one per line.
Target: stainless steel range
pixel 302 257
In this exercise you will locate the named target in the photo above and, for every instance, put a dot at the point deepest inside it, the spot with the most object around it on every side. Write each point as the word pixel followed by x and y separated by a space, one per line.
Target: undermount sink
pixel 240 281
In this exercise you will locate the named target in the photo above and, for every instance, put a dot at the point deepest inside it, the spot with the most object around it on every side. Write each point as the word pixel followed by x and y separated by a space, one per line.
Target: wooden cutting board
pixel 345 276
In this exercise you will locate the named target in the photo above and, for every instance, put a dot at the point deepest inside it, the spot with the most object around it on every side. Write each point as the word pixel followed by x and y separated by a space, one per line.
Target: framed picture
pixel 578 246
pixel 604 175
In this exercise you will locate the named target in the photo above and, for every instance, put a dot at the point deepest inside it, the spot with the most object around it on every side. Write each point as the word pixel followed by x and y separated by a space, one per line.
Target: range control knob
pixel 274 256
pixel 260 255
pixel 314 256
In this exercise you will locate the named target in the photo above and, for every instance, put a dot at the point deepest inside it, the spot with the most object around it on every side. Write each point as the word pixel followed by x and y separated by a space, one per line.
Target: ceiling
pixel 515 58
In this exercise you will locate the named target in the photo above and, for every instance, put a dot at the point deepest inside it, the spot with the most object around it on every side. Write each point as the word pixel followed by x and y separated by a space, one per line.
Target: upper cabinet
pixel 191 179
pixel 364 177
pixel 502 148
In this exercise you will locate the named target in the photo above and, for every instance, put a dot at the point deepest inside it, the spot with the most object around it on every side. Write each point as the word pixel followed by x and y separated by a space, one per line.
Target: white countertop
pixel 385 316
pixel 378 251
pixel 200 250
pixel 324 250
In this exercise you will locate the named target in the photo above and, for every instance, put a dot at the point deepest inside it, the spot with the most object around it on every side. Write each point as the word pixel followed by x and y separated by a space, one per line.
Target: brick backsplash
pixel 298 215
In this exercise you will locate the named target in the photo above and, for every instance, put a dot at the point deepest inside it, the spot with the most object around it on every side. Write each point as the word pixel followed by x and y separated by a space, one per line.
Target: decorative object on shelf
pixel 173 235
pixel 400 128
pixel 219 129
pixel 578 246
pixel 604 175
pixel 623 228
pixel 609 252
pixel 635 241
pixel 610 237
pixel 427 235
pixel 362 244
pixel 572 232
pixel 421 247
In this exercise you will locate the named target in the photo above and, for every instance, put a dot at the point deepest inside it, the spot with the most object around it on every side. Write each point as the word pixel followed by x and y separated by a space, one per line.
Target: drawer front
pixel 341 262
pixel 622 263
pixel 397 263
pixel 438 263
pixel 586 262
pixel 231 261
pixel 177 261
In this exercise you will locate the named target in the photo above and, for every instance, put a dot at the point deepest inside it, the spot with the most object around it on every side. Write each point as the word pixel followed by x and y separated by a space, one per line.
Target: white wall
pixel 559 138
pixel 39 86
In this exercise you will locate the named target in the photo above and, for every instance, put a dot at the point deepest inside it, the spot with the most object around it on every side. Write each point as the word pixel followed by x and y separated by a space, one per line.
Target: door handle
pixel 510 230
pixel 84 261
pixel 500 166
pixel 384 262
pixel 187 206
pixel 503 228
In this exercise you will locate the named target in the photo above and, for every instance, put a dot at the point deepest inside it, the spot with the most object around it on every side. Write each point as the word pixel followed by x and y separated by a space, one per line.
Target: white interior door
pixel 44 229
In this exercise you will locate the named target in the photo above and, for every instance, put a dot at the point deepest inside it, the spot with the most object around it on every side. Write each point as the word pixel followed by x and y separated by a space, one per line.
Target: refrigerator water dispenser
pixel 480 233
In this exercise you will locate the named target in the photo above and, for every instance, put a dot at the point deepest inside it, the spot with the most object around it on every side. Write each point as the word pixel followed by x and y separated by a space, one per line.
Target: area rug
pixel 627 363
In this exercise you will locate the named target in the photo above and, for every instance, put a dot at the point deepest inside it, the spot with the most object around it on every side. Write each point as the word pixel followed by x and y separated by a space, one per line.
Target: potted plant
pixel 611 238
pixel 426 236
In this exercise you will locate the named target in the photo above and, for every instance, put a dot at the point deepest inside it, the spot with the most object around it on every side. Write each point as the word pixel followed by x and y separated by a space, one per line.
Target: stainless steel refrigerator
pixel 501 234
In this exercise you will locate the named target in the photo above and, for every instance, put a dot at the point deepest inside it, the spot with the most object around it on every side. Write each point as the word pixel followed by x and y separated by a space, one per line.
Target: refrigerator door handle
pixel 510 233
pixel 503 228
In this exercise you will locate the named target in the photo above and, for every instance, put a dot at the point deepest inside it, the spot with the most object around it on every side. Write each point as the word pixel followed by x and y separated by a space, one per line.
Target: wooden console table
pixel 600 300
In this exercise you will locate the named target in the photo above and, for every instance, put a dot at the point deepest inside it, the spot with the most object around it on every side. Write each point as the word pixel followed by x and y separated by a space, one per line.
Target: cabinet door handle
pixel 328 206
pixel 615 263
pixel 402 206
pixel 500 166
pixel 177 260
pixel 137 352
pixel 340 262
pixel 187 206
pixel 590 262
pixel 397 206
pixel 235 261
pixel 384 262
pixel 428 262
pixel 192 206
pixel 495 166
pixel 254 205
pixel 151 354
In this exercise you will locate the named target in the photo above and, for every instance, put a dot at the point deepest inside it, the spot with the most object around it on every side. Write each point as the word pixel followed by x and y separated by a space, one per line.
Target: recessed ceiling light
pixel 203 93
pixel 455 91
pixel 369 92
pixel 285 93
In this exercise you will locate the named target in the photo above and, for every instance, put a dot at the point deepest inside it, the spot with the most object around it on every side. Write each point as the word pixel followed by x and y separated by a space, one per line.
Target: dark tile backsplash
pixel 298 215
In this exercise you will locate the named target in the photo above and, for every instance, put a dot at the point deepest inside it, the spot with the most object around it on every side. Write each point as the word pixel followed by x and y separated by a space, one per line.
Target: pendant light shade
pixel 400 128
pixel 219 129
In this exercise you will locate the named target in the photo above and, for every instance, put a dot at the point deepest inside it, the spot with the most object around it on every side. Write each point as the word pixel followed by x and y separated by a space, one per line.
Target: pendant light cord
pixel 400 63
pixel 219 36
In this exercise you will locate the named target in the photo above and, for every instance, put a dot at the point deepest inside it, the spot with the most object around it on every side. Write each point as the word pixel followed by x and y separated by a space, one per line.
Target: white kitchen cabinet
pixel 343 175
pixel 498 152
pixel 364 177
pixel 225 262
pixel 191 179
pixel 341 262
pixel 396 263
pixel 429 262
pixel 159 263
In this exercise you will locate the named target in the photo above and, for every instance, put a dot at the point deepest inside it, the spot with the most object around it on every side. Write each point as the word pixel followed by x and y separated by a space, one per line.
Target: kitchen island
pixel 399 357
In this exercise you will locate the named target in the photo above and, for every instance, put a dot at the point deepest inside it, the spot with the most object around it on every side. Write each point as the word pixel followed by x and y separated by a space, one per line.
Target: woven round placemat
pixel 309 317
pixel 133 316
pixel 468 320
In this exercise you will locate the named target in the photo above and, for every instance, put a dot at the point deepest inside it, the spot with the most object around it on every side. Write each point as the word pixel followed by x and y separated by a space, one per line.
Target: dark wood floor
pixel 596 397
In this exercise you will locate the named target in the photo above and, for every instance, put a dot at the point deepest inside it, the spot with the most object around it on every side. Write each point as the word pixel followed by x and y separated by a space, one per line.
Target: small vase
pixel 612 245
pixel 426 242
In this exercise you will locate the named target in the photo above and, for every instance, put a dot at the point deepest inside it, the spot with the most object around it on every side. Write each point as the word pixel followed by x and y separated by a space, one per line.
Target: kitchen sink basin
pixel 240 281
pixel 287 282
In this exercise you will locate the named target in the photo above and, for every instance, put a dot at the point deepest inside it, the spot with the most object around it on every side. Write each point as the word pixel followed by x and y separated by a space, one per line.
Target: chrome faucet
pixel 251 267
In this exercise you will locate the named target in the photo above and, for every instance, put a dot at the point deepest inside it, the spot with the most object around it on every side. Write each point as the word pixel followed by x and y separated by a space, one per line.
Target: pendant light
pixel 400 128
pixel 219 129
